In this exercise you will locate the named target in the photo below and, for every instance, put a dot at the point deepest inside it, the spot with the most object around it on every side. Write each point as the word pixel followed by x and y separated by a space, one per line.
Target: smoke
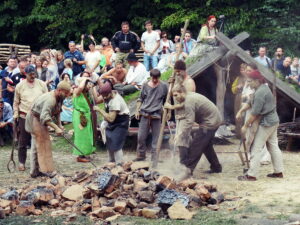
pixel 169 165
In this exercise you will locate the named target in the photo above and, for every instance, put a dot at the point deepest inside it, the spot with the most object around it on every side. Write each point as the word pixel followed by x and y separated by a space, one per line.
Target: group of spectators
pixel 286 65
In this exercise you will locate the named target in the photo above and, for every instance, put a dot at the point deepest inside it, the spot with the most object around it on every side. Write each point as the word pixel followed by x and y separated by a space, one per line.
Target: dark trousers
pixel 144 129
pixel 24 140
pixel 202 143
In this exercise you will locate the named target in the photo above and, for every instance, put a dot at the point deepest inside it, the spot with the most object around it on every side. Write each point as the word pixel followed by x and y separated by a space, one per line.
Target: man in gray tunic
pixel 193 143
pixel 149 111
pixel 45 112
pixel 263 109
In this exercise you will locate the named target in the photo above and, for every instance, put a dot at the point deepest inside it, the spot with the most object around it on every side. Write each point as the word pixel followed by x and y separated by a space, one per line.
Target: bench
pixel 291 136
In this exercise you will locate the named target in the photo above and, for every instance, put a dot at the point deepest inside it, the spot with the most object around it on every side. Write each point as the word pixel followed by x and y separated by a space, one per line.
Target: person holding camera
pixel 76 57
pixel 84 121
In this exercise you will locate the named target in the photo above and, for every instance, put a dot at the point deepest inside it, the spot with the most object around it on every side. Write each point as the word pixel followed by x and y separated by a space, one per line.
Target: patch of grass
pixel 43 220
pixel 253 209
pixel 202 217
pixel 282 216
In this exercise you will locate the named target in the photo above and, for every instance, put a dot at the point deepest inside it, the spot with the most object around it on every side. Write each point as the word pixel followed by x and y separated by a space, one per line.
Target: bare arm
pixel 156 47
pixel 80 88
pixel 98 99
pixel 143 47
pixel 109 117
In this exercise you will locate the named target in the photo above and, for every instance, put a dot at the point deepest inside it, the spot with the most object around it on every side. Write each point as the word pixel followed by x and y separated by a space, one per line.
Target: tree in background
pixel 53 23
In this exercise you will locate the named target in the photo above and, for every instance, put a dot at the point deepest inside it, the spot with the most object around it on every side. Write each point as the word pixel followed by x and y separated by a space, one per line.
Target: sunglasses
pixel 164 36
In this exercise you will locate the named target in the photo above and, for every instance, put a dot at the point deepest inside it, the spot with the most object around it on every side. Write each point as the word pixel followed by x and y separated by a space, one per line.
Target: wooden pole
pixel 165 112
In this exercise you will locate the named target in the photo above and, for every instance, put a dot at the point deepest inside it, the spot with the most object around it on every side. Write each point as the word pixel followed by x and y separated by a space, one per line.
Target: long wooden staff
pixel 165 112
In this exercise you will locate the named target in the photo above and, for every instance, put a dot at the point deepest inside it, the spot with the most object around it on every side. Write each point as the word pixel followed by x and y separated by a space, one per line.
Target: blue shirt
pixel 3 74
pixel 263 61
pixel 79 57
pixel 188 46
pixel 7 113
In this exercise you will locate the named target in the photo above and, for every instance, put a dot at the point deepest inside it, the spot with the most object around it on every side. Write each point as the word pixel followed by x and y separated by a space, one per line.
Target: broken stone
pixel 166 182
pixel 127 187
pixel 37 212
pixel 191 192
pixel 131 203
pixel 139 185
pixel 67 204
pixel 79 177
pixel 113 195
pixel 126 166
pixel 74 193
pixel 2 214
pixel 11 195
pixel 104 212
pixel 25 208
pixel 219 197
pixel 5 203
pixel 188 183
pixel 95 203
pixel 54 202
pixel 137 212
pixel 2 191
pixel 140 165
pixel 142 205
pixel 108 181
pixel 7 210
pixel 169 197
pixel 178 212
pixel 40 194
pixel 202 192
pixel 71 218
pixel 120 206
pixel 213 207
pixel 146 196
pixel 59 213
pixel 151 212
pixel 117 170
pixel 112 218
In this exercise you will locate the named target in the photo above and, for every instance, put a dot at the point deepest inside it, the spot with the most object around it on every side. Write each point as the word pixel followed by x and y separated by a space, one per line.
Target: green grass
pixel 202 217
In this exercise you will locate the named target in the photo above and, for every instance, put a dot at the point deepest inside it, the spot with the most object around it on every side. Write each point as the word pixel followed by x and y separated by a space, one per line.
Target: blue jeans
pixel 150 60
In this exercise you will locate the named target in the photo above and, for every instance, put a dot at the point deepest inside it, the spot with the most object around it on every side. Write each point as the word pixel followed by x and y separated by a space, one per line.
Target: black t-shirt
pixel 17 78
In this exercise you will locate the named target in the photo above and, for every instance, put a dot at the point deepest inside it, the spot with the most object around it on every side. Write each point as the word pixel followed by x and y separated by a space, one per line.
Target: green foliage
pixel 53 23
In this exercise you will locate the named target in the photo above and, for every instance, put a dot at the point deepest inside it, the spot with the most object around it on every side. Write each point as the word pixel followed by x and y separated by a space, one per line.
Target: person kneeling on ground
pixel 197 109
pixel 116 114
pixel 263 108
pixel 136 76
pixel 45 108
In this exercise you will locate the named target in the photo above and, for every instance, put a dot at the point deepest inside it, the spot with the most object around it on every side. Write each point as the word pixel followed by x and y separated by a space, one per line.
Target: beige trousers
pixel 265 136
pixel 43 147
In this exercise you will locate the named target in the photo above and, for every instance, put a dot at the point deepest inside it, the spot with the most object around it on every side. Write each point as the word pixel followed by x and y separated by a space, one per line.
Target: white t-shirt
pixel 137 74
pixel 91 59
pixel 118 104
pixel 150 40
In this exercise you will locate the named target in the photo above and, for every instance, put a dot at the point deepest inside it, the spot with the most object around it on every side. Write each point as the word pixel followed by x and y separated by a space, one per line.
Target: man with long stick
pixel 45 112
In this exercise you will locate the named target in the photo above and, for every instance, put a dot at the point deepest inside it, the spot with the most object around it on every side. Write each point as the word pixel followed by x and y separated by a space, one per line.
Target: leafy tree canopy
pixel 53 23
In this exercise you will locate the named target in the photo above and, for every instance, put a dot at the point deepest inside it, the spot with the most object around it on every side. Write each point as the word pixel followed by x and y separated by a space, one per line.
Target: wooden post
pixel 220 89
pixel 165 112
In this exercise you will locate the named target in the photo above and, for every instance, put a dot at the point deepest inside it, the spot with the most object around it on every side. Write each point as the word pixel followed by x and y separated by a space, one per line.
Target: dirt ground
pixel 265 198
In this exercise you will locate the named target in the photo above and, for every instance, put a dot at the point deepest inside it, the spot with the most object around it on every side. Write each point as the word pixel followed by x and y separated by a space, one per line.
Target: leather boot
pixel 141 156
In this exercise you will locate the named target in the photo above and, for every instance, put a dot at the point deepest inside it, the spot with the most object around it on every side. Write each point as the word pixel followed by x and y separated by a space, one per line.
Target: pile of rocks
pixel 111 191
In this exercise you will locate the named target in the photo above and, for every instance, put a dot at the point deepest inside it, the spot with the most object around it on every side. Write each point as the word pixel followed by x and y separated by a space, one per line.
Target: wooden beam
pixel 282 86
pixel 198 67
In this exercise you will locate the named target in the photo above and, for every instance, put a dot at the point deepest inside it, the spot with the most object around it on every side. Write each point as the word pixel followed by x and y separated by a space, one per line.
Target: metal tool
pixel 71 143
pixel 11 159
